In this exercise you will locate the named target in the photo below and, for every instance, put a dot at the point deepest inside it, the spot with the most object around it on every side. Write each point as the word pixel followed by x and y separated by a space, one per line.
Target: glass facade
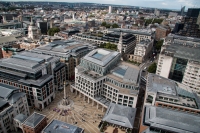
pixel 178 69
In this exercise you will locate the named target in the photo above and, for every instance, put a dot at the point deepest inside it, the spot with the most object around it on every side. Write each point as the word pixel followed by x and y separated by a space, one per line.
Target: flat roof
pixel 34 120
pixel 156 83
pixel 63 48
pixel 27 62
pixel 101 56
pixel 123 90
pixel 56 126
pixel 120 115
pixel 182 51
pixel 125 72
pixel 38 82
pixel 6 39
pixel 171 120
pixel 142 31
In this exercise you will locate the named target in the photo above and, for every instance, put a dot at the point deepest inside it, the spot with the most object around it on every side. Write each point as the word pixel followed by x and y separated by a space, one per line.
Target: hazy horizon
pixel 167 4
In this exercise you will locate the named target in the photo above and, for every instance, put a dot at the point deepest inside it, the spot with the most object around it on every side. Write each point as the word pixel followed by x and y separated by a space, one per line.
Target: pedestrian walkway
pixel 82 114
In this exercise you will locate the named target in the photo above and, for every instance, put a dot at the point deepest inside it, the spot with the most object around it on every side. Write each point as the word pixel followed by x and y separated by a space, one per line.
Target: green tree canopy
pixel 109 25
pixel 109 46
pixel 103 24
pixel 53 30
pixel 148 21
pixel 152 68
pixel 115 25
pixel 159 45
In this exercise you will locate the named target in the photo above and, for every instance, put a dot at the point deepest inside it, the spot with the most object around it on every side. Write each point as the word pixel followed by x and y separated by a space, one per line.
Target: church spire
pixel 120 44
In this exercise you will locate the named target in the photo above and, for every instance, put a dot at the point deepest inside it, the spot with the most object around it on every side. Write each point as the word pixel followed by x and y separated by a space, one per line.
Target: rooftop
pixel 125 72
pixel 34 120
pixel 160 84
pixel 63 48
pixel 2 104
pixel 27 61
pixel 120 115
pixel 6 39
pixel 56 126
pixel 167 89
pixel 20 117
pixel 6 90
pixel 171 120
pixel 184 51
pixel 101 56
pixel 141 31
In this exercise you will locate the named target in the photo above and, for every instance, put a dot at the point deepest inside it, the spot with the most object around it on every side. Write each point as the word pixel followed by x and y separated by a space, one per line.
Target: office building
pixel 161 120
pixel 13 25
pixel 157 12
pixel 182 10
pixel 61 127
pixel 139 34
pixel 142 52
pixel 12 103
pixel 68 33
pixel 43 26
pixel 35 74
pixel 166 93
pixel 193 12
pixel 35 123
pixel 178 27
pixel 128 40
pixel 102 79
pixel 198 21
pixel 110 9
pixel 191 26
pixel 162 32
pixel 68 51
pixel 179 60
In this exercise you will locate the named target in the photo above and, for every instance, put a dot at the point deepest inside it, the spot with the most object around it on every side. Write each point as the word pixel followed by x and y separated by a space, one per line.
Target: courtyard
pixel 83 114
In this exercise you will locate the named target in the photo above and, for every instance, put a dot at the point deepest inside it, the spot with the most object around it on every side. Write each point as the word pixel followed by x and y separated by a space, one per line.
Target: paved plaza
pixel 82 114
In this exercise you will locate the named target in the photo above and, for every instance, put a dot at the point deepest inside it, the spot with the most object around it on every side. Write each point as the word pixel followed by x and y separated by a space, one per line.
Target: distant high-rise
pixel 182 10
pixel 110 9
pixel 198 20
pixel 191 26
pixel 193 12
pixel 156 12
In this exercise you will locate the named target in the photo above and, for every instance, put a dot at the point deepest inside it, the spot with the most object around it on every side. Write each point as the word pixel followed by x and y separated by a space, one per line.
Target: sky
pixel 167 4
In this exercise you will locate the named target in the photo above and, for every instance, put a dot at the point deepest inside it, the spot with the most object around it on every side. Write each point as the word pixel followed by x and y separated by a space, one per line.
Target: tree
pixel 115 25
pixel 53 30
pixel 109 46
pixel 142 18
pixel 152 68
pixel 103 24
pixel 159 45
pixel 149 21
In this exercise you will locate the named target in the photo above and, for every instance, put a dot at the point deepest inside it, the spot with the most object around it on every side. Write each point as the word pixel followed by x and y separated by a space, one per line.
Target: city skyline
pixel 167 4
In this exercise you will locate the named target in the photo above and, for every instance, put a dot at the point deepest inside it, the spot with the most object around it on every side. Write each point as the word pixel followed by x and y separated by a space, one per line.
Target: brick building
pixel 162 32
pixel 34 123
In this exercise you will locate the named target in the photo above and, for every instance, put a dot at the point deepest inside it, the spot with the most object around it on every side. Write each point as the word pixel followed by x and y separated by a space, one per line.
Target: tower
pixel 110 9
pixel 182 10
pixel 65 101
pixel 120 44
pixel 33 31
